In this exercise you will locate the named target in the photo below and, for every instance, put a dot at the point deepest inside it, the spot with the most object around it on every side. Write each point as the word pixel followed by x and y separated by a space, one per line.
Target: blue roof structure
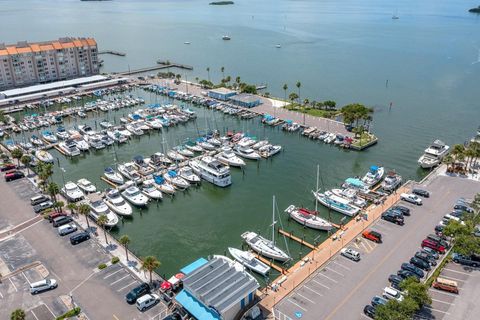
pixel 195 307
pixel 193 266
pixel 373 168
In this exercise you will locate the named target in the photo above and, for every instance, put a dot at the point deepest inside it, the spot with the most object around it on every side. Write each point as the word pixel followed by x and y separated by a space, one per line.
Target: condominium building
pixel 27 63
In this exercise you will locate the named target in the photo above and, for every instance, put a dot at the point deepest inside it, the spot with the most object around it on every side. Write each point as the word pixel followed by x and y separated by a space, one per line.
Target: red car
pixel 372 235
pixel 14 175
pixel 433 245
pixel 54 215
pixel 7 167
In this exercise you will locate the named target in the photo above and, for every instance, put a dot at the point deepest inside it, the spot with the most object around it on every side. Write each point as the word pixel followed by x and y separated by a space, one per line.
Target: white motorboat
pixel 269 150
pixel 249 260
pixel 158 160
pixel 117 204
pixel 99 208
pixel 151 191
pixel 391 182
pixel 36 141
pixel 116 135
pixel 81 144
pixel 142 165
pixel 44 156
pixel 86 186
pixel 69 148
pixel 135 196
pixel 308 218
pixel 193 147
pixel 334 202
pixel 95 141
pixel 105 124
pixel 175 156
pixel 246 142
pixel 49 136
pixel 62 134
pixel 264 246
pixel 260 144
pixel 187 173
pixel 129 171
pixel 154 123
pixel 172 177
pixel 85 129
pixel 212 171
pixel 81 114
pixel 113 176
pixel 247 153
pixel 215 142
pixel 163 185
pixel 184 151
pixel 433 155
pixel 134 130
pixel 229 158
pixel 373 176
pixel 351 195
pixel 72 192
pixel 207 146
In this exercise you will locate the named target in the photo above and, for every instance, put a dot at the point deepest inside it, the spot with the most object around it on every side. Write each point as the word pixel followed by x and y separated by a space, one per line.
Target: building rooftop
pixel 62 43
pixel 223 90
pixel 245 97
pixel 193 266
pixel 220 284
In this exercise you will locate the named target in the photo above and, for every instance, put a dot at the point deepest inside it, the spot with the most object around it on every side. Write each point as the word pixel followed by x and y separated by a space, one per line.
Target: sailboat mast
pixel 273 220
pixel 316 201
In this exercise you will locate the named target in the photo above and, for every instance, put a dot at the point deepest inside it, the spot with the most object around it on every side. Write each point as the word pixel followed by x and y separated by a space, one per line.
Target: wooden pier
pixel 271 264
pixel 108 182
pixel 154 68
pixel 115 53
pixel 297 239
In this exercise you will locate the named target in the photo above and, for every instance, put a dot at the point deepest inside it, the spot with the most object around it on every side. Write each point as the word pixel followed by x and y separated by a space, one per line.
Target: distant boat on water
pixel 186 42
pixel 395 17
pixel 278 46
pixel 226 38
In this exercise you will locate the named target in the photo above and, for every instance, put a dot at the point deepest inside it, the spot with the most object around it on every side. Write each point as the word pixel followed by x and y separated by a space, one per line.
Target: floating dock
pixel 271 264
pixel 297 239
pixel 115 53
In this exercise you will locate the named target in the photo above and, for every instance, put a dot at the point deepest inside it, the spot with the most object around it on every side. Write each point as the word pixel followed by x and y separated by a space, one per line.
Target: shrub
pixel 102 266
pixel 115 260
pixel 71 313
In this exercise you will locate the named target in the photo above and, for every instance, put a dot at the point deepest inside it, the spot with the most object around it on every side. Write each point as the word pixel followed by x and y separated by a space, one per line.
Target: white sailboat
pixel 112 176
pixel 249 260
pixel 308 218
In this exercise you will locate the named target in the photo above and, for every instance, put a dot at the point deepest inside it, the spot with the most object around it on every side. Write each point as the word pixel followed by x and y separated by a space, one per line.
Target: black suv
pixel 393 217
pixel 402 209
pixel 407 274
pixel 426 257
pixel 421 193
pixel 420 263
pixel 79 237
pixel 137 292
pixel 395 280
pixel 369 310
pixel 412 268
pixel 472 261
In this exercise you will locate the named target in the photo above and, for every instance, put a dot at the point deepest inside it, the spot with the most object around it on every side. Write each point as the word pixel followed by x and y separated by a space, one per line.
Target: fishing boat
pixel 69 148
pixel 247 153
pixel 226 156
pixel 86 186
pixel 36 141
pixel 373 176
pixel 135 196
pixel 356 184
pixel 187 173
pixel 151 191
pixel 49 136
pixel 112 176
pixel 72 192
pixel 249 260
pixel 269 150
pixel 44 156
pixel 178 182
pixel 391 182
pixel 212 171
pixel 334 202
pixel 434 154
pixel 163 185
pixel 308 218
pixel 99 208
pixel 116 203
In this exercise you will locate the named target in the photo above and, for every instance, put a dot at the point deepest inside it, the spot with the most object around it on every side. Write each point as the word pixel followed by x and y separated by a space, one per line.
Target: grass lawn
pixel 363 140
pixel 313 112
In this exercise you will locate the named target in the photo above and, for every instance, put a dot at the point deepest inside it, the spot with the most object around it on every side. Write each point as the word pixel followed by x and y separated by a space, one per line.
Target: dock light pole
pixel 63 176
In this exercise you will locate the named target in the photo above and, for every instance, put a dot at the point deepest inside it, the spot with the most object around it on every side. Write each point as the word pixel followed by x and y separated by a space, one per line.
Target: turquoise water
pixel 345 51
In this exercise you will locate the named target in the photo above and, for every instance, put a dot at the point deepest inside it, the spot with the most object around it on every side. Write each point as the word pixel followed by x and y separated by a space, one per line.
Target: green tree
pixel 84 210
pixel 17 153
pixel 293 96
pixel 238 80
pixel 222 70
pixel 2 117
pixel 149 264
pixel 44 171
pixel 72 207
pixel 298 85
pixel 395 310
pixel 102 221
pixel 208 73
pixel 417 291
pixel 249 88
pixel 17 314
pixel 353 113
pixel 58 205
pixel 329 104
pixel 25 160
pixel 456 229
pixel 467 244
pixel 125 241
pixel 306 101
pixel 285 88
pixel 53 190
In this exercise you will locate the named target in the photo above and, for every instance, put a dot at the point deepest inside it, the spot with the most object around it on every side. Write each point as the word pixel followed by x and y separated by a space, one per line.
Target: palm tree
pixel 102 221
pixel 208 72
pixel 448 160
pixel 237 81
pixel 25 160
pixel 84 209
pixel 222 69
pixel 72 207
pixel 45 171
pixel 196 79
pixel 299 84
pixel 17 154
pixel 18 314
pixel 58 205
pixel 125 241
pixel 149 264
pixel 53 190
pixel 285 88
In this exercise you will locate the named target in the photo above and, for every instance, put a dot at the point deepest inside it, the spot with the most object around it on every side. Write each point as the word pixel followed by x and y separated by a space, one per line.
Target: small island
pixel 221 3
pixel 475 10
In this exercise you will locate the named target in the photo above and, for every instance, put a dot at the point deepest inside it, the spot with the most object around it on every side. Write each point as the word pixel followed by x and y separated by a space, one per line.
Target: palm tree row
pixel 463 158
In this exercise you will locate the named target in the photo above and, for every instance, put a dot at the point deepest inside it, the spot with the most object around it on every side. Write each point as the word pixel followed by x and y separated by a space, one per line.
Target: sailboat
pixel 264 246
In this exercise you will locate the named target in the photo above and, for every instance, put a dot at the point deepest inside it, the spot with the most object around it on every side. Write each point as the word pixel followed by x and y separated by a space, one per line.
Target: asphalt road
pixel 342 288
pixel 100 296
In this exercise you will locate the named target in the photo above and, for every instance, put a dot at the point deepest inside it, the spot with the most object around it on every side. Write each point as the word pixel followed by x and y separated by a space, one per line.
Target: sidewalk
pixel 317 258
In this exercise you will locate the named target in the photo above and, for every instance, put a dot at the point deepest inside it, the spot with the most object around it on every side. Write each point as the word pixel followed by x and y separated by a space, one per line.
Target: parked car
pixel 137 292
pixel 369 311
pixel 463 207
pixel 427 243
pixel 431 252
pixel 390 293
pixel 405 274
pixel 408 197
pixel 412 268
pixel 43 285
pixel 8 167
pixel 350 254
pixel 396 212
pixel 421 193
pixel 420 263
pixel 395 279
pixel 147 301
pixel 378 301
pixel 441 240
pixel 445 285
pixel 403 209
pixel 60 221
pixel 14 175
pixel 472 261
pixel 56 214
pixel 426 257
pixel 79 238
pixel 439 229
pixel 42 206
pixel 392 217
pixel 372 235
pixel 66 229
pixel 38 199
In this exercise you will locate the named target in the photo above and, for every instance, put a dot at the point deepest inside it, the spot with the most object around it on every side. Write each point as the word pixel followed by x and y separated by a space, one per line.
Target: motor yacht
pixel 113 176
pixel 187 173
pixel 212 171
pixel 151 191
pixel 99 208
pixel 135 196
pixel 72 192
pixel 433 155
pixel 86 186
pixel 226 156
pixel 69 148
pixel 249 260
pixel 178 182
pixel 116 203
pixel 247 153
pixel 163 185
pixel 373 176
pixel 334 202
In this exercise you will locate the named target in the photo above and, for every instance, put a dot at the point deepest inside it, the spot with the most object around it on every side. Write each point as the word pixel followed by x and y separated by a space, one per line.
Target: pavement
pixel 341 288
pixel 98 293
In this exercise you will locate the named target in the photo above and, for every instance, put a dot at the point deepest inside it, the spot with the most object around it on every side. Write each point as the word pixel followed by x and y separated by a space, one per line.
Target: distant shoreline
pixel 221 3
pixel 475 10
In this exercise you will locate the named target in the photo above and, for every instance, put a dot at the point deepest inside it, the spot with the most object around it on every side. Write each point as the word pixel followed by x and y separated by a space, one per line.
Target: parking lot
pixel 100 294
pixel 342 287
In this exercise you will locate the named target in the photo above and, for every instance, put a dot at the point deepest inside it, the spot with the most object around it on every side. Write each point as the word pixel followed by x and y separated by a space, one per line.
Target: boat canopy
pixel 158 179
pixel 193 266
pixel 136 116
pixel 172 173
pixel 355 182
pixel 195 307
pixel 374 168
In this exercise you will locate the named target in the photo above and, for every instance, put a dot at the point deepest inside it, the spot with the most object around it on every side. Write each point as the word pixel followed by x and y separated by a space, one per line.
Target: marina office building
pixel 25 63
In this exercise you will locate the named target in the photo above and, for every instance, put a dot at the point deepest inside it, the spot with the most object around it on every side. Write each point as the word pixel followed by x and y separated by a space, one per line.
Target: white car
pixel 66 229
pixel 350 254
pixel 411 198
pixel 146 301
pixel 391 293
pixel 43 285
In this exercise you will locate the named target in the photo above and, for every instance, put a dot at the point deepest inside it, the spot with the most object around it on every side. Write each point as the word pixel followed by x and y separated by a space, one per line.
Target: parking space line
pixel 468 274
pixel 293 302
pixel 436 310
pixel 452 278
pixel 26 278
pixel 128 285
pixel 364 316
pixel 301 295
pixel 341 265
pixel 308 288
pixel 328 277
pixel 126 276
pixel 34 314
pixel 379 224
pixel 111 274
pixel 445 293
pixel 54 315
pixel 320 284
pixel 436 300
pixel 364 247
pixel 328 268
pixel 1 295
pixel 368 244
pixel 15 287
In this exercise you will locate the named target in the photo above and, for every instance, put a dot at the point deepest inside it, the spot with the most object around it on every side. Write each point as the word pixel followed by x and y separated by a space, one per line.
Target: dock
pixel 271 264
pixel 297 239
pixel 112 52
pixel 157 67
pixel 108 182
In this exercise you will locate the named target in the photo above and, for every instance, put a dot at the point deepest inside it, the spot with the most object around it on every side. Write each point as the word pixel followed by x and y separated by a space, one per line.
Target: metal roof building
pixel 219 289
pixel 221 93
pixel 246 100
